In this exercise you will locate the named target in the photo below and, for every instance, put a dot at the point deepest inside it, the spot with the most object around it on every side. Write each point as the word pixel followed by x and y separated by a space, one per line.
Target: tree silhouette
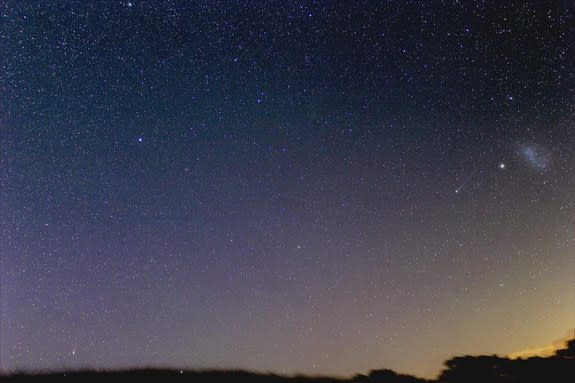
pixel 568 352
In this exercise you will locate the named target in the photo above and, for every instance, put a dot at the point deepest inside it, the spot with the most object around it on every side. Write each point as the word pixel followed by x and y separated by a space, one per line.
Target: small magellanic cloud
pixel 536 156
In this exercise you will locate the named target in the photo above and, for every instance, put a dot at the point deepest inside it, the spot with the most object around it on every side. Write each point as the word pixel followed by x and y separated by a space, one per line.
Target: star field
pixel 296 187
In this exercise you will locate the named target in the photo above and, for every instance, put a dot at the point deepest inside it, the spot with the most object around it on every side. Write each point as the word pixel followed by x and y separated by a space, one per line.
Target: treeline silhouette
pixel 559 368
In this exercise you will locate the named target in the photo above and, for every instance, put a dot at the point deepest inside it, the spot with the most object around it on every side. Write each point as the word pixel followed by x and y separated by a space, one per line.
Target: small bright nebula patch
pixel 536 156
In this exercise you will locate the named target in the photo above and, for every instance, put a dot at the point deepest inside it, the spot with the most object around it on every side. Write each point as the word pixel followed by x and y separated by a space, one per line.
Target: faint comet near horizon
pixel 501 166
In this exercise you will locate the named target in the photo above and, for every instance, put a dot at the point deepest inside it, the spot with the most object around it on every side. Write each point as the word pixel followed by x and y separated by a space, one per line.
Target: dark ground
pixel 465 369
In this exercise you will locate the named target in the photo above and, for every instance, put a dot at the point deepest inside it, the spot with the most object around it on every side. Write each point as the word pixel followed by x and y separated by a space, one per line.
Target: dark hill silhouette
pixel 559 368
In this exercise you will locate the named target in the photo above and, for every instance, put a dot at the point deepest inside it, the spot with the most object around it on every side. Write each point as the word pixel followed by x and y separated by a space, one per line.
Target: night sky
pixel 317 187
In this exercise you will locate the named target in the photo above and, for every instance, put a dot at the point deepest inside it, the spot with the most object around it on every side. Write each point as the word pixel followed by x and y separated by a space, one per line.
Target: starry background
pixel 318 187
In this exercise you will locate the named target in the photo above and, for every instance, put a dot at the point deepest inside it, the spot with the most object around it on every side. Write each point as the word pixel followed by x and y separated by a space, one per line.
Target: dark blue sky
pixel 314 187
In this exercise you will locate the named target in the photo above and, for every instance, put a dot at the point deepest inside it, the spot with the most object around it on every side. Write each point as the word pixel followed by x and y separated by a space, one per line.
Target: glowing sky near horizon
pixel 296 187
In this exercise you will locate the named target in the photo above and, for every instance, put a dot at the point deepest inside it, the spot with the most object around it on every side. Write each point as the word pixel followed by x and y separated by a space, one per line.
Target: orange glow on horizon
pixel 532 352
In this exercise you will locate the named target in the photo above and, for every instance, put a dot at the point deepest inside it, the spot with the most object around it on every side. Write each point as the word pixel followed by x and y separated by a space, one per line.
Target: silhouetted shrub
pixel 559 368
pixel 568 352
